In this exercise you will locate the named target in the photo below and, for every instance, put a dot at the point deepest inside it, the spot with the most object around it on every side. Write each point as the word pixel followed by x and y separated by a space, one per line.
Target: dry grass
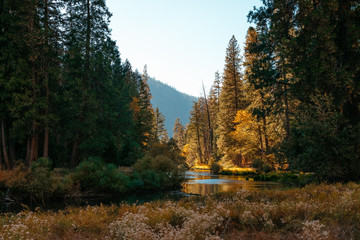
pixel 201 167
pixel 314 212
pixel 239 169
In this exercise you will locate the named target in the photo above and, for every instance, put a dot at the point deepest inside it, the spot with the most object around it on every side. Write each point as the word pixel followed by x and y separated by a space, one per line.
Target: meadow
pixel 313 212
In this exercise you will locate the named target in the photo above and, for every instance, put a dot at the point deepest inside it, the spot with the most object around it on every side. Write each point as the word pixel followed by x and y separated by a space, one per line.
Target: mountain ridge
pixel 171 102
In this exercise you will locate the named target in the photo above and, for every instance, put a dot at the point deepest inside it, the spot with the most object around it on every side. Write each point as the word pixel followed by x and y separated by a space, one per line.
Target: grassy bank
pixel 313 212
pixel 217 169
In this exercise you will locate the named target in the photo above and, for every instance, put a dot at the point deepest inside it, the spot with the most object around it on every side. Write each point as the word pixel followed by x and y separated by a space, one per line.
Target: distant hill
pixel 172 103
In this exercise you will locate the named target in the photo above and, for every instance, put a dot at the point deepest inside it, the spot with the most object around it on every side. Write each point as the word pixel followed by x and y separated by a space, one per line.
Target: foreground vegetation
pixel 313 212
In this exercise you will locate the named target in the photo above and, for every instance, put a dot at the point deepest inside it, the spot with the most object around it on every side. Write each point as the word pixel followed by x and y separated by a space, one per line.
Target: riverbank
pixel 91 178
pixel 288 178
pixel 314 212
pixel 238 171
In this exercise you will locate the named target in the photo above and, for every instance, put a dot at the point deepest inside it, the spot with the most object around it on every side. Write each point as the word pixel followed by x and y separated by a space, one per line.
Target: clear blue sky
pixel 183 42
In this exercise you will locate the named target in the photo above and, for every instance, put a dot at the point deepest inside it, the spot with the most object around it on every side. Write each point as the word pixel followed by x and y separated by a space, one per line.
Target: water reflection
pixel 203 183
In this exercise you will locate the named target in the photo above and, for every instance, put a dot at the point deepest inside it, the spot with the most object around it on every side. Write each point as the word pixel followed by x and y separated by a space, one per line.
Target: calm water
pixel 203 182
pixel 199 182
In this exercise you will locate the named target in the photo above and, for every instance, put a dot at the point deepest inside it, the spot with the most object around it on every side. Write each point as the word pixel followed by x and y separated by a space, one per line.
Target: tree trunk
pixel 12 149
pixel 46 143
pixel 197 123
pixel 261 143
pixel 265 135
pixel 6 156
pixel 264 125
pixel 34 148
pixel 287 117
pixel 28 152
pixel 74 154
pixel 211 135
pixel 46 79
pixel 0 154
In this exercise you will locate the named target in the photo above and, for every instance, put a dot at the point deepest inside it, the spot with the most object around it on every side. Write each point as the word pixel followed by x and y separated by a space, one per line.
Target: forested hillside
pixel 172 103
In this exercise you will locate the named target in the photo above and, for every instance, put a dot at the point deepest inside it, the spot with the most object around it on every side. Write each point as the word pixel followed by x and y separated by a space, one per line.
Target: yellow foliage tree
pixel 246 133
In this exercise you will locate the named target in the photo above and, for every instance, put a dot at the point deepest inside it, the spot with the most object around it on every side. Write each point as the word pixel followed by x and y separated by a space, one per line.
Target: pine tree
pixel 159 130
pixel 307 41
pixel 257 93
pixel 86 35
pixel 145 118
pixel 194 139
pixel 214 108
pixel 179 134
pixel 231 100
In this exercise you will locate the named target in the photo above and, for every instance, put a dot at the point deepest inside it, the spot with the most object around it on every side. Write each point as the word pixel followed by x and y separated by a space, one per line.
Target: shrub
pixel 159 168
pixel 94 174
pixel 261 166
pixel 112 179
pixel 42 181
pixel 15 179
pixel 88 173
pixel 38 182
pixel 215 167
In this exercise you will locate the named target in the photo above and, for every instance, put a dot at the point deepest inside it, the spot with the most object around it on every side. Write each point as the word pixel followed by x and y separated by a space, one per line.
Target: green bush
pixel 159 168
pixel 89 172
pixel 112 179
pixel 94 174
pixel 42 181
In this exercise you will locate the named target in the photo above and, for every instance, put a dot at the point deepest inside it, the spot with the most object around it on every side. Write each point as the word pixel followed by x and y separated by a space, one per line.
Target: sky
pixel 182 42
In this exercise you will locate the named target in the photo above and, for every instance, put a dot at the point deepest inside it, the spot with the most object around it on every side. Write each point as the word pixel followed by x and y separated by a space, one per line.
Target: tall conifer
pixel 231 100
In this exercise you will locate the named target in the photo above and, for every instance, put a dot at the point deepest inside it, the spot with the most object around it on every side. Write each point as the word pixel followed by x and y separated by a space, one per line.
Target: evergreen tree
pixel 159 131
pixel 261 95
pixel 86 36
pixel 194 140
pixel 214 108
pixel 179 134
pixel 231 100
pixel 305 58
pixel 144 121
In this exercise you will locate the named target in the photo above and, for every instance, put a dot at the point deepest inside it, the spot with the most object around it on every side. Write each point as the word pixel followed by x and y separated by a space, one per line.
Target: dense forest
pixel 68 101
pixel 291 100
pixel 65 92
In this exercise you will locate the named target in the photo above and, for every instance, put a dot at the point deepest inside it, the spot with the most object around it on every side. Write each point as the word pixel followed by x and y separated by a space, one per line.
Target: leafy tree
pixel 246 133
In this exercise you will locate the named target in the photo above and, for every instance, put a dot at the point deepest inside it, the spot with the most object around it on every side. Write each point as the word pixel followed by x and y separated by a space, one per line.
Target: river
pixel 203 182
pixel 199 182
